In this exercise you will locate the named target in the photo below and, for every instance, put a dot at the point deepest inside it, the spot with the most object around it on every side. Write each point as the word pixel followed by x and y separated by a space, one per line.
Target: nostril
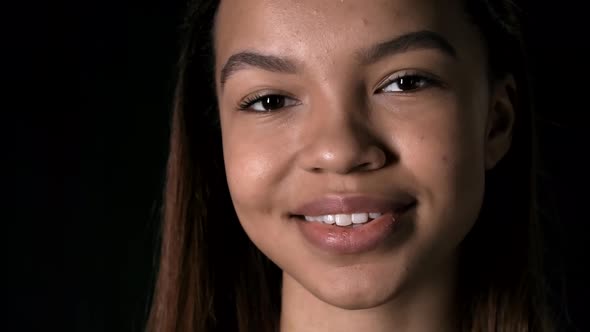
pixel 363 167
pixel 316 170
pixel 329 154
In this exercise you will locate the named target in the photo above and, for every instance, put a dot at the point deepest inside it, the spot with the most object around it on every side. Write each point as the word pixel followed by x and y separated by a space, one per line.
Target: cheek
pixel 451 155
pixel 447 161
pixel 254 166
pixel 454 172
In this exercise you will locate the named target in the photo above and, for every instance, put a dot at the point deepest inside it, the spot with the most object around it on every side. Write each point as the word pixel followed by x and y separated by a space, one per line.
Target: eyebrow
pixel 423 39
pixel 245 59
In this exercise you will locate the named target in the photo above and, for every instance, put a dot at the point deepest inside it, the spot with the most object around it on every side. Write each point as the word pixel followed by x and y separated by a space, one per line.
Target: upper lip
pixel 353 203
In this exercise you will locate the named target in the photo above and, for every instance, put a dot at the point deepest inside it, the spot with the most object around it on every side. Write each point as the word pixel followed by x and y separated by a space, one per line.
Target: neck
pixel 428 305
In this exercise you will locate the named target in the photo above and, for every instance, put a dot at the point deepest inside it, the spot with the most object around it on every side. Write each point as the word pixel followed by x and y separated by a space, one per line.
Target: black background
pixel 89 96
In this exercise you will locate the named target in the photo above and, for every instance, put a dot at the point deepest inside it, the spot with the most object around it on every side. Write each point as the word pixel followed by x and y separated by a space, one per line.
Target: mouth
pixel 355 219
pixel 352 224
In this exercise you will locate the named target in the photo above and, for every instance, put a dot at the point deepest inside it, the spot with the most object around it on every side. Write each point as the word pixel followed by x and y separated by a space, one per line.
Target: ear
pixel 500 121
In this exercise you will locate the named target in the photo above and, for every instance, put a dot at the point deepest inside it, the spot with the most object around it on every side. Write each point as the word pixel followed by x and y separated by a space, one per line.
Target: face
pixel 347 107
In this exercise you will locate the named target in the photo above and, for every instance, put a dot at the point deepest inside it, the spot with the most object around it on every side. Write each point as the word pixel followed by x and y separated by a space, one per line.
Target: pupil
pixel 273 102
pixel 407 83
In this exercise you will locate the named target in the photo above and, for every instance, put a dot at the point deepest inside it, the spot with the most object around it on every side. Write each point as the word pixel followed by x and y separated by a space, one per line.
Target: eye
pixel 406 83
pixel 266 103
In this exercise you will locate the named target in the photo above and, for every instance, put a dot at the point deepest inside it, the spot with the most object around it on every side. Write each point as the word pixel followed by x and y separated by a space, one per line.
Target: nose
pixel 341 141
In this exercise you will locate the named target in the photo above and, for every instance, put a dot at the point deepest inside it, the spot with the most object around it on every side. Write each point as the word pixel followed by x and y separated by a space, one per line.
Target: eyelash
pixel 252 99
pixel 428 81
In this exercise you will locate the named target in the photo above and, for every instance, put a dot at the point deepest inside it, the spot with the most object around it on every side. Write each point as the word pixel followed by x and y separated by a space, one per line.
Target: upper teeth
pixel 344 219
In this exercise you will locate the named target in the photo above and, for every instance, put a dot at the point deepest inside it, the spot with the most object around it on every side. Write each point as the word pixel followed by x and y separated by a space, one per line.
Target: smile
pixel 352 224
pixel 344 219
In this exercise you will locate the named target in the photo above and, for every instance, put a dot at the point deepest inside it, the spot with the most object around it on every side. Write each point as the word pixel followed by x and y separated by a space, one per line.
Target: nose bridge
pixel 339 135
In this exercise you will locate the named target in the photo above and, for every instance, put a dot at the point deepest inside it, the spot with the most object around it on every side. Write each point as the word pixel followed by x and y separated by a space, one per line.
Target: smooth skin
pixel 307 110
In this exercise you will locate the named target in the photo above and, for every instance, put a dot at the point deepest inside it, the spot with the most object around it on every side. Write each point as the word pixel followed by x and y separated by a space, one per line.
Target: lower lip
pixel 350 240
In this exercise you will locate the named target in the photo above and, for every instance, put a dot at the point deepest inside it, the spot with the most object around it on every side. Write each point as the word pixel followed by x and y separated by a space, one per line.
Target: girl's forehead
pixel 313 28
pixel 323 17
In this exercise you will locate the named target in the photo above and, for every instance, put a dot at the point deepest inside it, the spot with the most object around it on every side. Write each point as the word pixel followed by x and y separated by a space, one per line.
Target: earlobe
pixel 500 121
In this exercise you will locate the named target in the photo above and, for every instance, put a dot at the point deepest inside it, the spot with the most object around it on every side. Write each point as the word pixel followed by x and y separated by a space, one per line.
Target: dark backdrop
pixel 92 84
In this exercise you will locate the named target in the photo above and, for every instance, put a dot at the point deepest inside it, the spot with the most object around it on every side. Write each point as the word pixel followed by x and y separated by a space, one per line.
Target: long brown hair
pixel 212 278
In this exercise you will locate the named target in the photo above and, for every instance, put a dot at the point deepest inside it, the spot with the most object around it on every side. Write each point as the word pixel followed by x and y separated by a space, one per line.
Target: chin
pixel 358 290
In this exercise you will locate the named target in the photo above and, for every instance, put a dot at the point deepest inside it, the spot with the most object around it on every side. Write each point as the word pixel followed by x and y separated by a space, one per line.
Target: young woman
pixel 347 165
